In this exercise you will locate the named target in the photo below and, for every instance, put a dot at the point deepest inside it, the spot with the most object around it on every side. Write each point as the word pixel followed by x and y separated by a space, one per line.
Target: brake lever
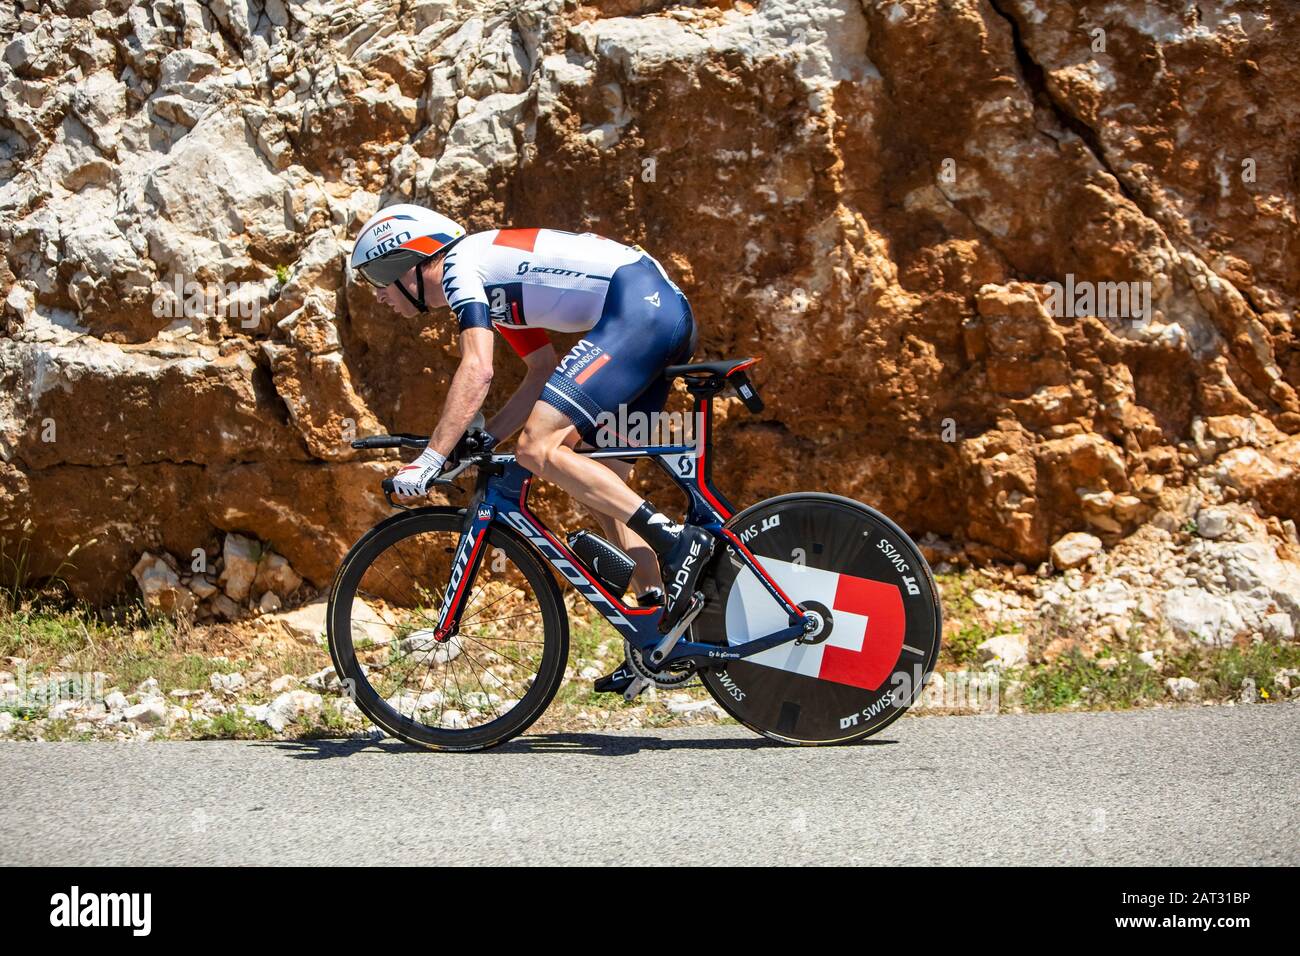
pixel 393 504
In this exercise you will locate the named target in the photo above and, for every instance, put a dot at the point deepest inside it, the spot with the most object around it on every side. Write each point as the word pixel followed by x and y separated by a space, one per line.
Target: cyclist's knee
pixel 538 444
pixel 531 451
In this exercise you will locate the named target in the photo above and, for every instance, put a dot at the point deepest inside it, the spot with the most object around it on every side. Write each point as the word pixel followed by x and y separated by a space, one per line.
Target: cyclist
pixel 524 282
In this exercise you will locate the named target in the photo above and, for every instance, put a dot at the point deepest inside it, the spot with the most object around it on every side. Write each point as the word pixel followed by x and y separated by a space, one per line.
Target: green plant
pixel 232 725
pixel 62 730
pixel 23 711
pixel 962 648
pixel 183 672
pixel 1073 680
pixel 26 631
pixel 955 589
pixel 586 635
pixel 17 579
pixel 1228 671
pixel 282 274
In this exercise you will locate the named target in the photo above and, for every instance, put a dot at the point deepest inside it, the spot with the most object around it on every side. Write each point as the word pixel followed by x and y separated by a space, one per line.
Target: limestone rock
pixel 227 685
pixel 274 574
pixel 147 713
pixel 202 587
pixel 1074 549
pixel 225 609
pixel 306 622
pixel 290 707
pixel 1182 688
pixel 1004 651
pixel 240 556
pixel 1213 523
pixel 1278 627
pixel 324 679
pixel 161 587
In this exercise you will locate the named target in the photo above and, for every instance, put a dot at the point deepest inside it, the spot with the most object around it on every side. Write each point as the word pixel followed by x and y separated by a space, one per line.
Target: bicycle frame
pixel 501 496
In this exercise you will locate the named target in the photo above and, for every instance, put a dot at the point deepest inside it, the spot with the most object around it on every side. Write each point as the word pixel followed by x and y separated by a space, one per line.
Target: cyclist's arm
pixel 469 388
pixel 541 363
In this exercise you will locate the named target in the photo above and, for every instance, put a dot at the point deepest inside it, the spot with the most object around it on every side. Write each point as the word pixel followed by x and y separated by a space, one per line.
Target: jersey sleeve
pixel 525 340
pixel 463 287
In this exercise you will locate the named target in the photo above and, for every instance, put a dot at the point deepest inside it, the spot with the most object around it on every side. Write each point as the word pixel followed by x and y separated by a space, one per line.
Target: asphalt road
pixel 1212 785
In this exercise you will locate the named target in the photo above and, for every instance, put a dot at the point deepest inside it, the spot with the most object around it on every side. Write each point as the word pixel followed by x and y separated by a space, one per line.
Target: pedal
pixel 664 647
pixel 634 689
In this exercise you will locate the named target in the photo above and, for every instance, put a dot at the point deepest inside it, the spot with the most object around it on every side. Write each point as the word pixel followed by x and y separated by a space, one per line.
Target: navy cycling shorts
pixel 646 326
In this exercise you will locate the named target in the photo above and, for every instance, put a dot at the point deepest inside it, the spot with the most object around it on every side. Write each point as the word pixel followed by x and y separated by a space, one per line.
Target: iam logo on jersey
pixel 866 637
pixel 583 361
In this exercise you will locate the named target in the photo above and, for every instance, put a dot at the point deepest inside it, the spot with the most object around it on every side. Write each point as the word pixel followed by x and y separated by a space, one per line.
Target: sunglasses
pixel 387 269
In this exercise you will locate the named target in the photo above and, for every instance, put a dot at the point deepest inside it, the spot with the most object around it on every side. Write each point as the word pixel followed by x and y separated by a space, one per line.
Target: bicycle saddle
pixel 710 377
pixel 722 368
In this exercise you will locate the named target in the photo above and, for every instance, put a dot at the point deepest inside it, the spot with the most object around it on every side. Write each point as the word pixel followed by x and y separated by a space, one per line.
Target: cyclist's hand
pixel 415 479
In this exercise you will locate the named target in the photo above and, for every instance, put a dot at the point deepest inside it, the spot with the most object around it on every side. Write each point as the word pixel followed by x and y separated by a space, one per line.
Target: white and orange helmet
pixel 399 237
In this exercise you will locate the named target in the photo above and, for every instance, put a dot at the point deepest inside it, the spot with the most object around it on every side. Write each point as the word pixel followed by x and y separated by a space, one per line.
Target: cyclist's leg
pixel 546 449
pixel 646 575
pixel 646 325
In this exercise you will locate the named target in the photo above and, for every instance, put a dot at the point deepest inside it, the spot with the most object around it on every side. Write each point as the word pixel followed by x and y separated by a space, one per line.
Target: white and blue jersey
pixel 523 282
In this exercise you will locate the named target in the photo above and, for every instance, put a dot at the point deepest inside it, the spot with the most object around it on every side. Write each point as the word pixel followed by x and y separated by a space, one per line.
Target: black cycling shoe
pixel 681 568
pixel 650 597
pixel 616 682
pixel 621 679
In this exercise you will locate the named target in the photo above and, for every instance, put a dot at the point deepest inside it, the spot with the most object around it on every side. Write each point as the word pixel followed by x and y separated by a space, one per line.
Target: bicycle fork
pixel 464 568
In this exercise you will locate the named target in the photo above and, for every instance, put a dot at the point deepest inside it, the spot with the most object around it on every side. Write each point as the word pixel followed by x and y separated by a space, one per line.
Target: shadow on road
pixel 588 745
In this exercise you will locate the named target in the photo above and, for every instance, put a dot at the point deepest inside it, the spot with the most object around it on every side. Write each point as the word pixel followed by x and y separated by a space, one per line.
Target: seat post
pixel 704 392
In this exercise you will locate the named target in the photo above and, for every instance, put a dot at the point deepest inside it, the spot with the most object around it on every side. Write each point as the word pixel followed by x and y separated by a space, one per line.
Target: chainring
pixel 666 679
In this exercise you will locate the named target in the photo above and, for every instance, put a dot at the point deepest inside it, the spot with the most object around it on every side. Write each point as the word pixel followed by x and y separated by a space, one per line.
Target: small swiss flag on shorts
pixel 866 638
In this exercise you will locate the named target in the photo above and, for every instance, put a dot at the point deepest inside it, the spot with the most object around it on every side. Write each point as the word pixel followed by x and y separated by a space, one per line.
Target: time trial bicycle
pixel 817 620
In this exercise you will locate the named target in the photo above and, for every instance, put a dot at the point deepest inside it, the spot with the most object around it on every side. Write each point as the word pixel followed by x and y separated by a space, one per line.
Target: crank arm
pixel 664 647
pixel 634 689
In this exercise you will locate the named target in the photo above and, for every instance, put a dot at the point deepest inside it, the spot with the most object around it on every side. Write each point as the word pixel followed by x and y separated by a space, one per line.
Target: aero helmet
pixel 397 238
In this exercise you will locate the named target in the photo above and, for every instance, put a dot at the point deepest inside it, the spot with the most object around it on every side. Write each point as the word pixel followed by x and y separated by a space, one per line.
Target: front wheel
pixel 873 593
pixel 491 679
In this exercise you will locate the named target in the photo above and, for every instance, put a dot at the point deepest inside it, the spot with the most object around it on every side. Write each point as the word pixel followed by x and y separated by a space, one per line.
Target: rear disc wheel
pixel 877 611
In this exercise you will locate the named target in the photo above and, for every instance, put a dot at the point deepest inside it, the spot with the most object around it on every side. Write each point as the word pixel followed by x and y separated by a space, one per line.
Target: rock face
pixel 1018 270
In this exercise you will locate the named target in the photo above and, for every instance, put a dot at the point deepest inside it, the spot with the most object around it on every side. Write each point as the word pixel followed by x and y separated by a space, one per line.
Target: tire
pixel 523 579
pixel 875 586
